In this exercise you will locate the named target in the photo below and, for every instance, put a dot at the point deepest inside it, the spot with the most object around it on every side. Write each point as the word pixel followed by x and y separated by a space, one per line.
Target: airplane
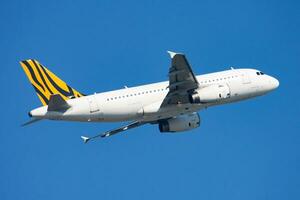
pixel 173 105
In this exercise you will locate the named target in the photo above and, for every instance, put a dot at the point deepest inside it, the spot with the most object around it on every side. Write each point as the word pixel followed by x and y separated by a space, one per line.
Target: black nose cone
pixel 29 114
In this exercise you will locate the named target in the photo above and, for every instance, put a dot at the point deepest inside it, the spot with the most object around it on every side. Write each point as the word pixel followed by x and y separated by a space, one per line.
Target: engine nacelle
pixel 210 94
pixel 180 123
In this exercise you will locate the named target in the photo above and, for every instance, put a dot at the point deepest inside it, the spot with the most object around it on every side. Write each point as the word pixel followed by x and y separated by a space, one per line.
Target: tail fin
pixel 46 83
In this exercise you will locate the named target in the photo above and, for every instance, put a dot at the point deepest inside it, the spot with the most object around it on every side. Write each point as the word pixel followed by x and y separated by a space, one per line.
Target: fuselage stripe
pixel 41 75
pixel 33 75
pixel 41 95
pixel 57 87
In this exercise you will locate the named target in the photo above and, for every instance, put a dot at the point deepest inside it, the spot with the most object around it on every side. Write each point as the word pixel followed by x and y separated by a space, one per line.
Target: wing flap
pixel 182 80
pixel 181 74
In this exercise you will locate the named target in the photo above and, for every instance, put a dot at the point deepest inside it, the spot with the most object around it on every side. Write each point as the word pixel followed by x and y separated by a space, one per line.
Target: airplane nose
pixel 274 83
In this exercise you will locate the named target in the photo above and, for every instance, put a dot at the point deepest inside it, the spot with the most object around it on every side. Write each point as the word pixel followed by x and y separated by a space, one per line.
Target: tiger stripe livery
pixel 46 83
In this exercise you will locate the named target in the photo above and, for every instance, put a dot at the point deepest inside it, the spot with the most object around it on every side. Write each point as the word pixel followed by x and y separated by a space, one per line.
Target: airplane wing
pixel 114 131
pixel 182 80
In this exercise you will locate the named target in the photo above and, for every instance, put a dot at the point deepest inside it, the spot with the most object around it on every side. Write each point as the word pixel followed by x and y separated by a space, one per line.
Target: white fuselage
pixel 143 102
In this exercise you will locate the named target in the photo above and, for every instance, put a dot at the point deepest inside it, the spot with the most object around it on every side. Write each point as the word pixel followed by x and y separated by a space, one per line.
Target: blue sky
pixel 248 150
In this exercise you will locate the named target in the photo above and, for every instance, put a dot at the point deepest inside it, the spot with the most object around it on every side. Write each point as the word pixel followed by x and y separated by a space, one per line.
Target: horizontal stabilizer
pixel 57 103
pixel 33 120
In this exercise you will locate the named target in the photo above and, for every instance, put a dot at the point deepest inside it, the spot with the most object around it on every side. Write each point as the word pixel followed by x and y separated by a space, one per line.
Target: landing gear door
pixel 93 104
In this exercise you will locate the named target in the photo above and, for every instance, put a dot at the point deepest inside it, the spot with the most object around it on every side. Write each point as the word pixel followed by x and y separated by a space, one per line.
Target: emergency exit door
pixel 246 79
pixel 93 104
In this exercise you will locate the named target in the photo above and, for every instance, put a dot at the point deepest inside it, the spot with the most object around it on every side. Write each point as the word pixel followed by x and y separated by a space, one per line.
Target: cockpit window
pixel 260 73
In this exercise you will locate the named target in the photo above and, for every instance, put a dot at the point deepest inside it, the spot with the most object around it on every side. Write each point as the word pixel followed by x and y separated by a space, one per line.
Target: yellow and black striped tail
pixel 46 83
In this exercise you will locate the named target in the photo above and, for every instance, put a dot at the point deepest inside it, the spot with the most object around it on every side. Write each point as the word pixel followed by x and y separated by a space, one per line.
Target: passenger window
pixel 257 73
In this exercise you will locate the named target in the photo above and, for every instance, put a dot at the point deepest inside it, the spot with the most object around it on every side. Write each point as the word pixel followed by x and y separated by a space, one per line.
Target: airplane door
pixel 227 91
pixel 93 104
pixel 246 79
pixel 224 91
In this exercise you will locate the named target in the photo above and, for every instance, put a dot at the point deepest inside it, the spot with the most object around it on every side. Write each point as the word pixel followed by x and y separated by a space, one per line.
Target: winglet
pixel 85 139
pixel 171 53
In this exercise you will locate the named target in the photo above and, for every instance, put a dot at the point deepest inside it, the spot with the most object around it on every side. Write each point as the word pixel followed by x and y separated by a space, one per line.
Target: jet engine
pixel 180 123
pixel 210 94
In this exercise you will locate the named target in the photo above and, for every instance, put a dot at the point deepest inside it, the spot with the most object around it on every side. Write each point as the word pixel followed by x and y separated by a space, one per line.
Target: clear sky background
pixel 248 150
